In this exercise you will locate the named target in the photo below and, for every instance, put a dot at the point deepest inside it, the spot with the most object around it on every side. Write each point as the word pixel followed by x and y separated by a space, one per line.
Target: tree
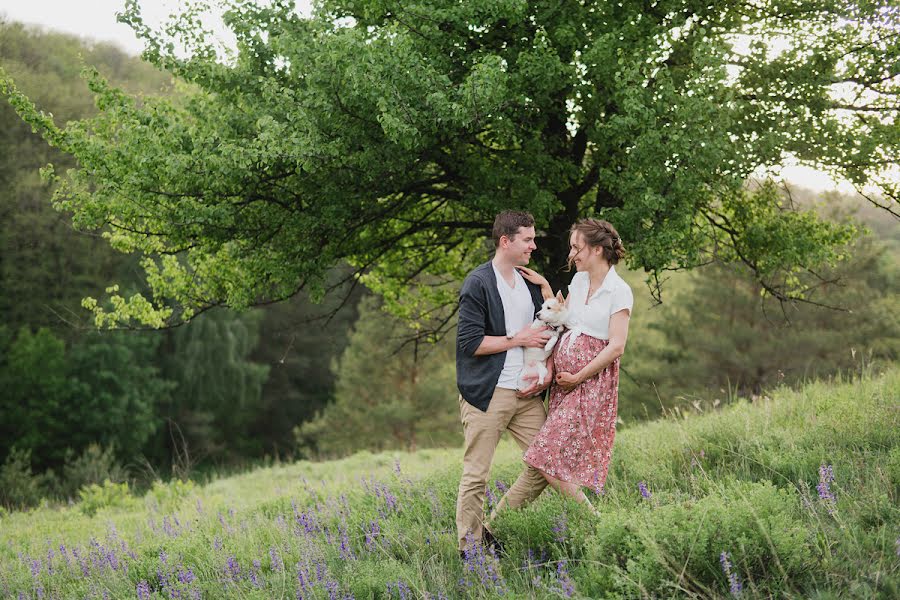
pixel 721 333
pixel 217 389
pixel 299 344
pixel 388 134
pixel 388 394
pixel 46 267
pixel 105 389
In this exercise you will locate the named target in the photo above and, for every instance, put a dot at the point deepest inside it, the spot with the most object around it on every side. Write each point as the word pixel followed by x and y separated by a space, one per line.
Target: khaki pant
pixel 523 418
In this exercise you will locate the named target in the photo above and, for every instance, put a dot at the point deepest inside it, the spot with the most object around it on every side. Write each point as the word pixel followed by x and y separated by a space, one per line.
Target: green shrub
pixel 95 497
pixel 168 496
pixel 94 465
pixel 19 488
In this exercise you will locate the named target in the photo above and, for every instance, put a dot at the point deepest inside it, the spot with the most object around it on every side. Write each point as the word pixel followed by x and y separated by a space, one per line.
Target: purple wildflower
pixel 186 576
pixel 346 550
pixel 277 563
pixel 501 486
pixel 491 500
pixel 567 586
pixel 143 590
pixel 826 477
pixel 254 572
pixel 560 528
pixel 372 534
pixel 232 569
pixel 645 491
pixel 483 565
pixel 734 584
pixel 303 580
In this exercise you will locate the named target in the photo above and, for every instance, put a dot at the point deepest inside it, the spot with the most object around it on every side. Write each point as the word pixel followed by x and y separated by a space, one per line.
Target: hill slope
pixel 793 496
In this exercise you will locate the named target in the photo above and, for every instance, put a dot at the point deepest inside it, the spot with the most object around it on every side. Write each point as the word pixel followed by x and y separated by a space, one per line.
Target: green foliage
pixel 19 488
pixel 96 497
pixel 388 137
pixel 168 496
pixel 95 465
pixel 390 393
pixel 46 267
pixel 217 391
pixel 103 389
pixel 720 333
pixel 677 546
pixel 298 340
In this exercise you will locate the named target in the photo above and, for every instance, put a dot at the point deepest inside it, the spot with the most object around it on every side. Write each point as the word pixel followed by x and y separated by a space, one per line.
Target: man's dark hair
pixel 508 222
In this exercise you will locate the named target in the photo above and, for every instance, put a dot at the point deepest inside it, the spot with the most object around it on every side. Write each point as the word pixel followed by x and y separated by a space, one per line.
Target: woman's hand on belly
pixel 568 381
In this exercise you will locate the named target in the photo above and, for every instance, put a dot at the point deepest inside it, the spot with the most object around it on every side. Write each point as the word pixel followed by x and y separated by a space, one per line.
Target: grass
pixel 790 496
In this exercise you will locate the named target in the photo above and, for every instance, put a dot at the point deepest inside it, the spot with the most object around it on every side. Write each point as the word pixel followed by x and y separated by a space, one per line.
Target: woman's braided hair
pixel 600 233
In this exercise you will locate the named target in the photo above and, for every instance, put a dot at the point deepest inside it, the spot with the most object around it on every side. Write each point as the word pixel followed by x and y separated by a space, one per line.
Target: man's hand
pixel 532 338
pixel 536 388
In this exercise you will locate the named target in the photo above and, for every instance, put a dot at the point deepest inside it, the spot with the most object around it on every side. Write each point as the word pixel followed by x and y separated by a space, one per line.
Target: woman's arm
pixel 618 334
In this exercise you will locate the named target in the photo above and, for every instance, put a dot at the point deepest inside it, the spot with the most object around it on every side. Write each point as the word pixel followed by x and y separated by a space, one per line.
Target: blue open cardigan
pixel 480 314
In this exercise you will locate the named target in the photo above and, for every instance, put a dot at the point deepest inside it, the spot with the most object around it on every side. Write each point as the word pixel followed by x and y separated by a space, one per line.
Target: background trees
pixel 388 135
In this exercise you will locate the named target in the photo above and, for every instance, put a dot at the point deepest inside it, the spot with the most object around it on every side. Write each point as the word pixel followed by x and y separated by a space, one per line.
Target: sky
pixel 96 20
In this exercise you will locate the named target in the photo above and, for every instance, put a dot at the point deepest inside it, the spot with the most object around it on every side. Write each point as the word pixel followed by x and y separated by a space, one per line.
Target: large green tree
pixel 388 133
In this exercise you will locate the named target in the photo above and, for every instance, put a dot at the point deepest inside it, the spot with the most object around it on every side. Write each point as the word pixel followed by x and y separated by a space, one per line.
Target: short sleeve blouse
pixel 592 317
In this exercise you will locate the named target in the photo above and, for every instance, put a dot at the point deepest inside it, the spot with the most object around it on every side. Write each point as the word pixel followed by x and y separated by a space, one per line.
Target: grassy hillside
pixel 790 496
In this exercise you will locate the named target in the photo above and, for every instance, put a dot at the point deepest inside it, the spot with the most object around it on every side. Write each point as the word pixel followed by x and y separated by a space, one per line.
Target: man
pixel 496 309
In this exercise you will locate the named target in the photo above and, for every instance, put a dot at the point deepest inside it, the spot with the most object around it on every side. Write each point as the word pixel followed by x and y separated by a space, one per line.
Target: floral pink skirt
pixel 575 443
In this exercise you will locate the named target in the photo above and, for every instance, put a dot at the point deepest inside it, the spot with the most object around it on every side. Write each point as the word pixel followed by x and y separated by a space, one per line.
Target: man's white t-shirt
pixel 518 308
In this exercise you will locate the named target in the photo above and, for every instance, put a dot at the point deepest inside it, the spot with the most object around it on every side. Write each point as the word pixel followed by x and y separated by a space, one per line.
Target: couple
pixel 570 447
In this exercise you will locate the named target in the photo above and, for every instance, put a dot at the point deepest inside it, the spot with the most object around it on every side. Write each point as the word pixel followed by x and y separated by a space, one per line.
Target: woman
pixel 574 447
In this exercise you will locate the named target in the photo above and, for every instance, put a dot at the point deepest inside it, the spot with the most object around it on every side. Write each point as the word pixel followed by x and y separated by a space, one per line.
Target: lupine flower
pixel 232 569
pixel 372 534
pixel 501 486
pixel 645 491
pixel 567 586
pixel 277 563
pixel 346 550
pixel 186 576
pixel 560 528
pixel 143 590
pixel 491 500
pixel 483 565
pixel 734 584
pixel 254 571
pixel 826 478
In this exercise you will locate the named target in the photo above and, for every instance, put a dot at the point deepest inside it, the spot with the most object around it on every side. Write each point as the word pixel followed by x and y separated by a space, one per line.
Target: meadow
pixel 794 494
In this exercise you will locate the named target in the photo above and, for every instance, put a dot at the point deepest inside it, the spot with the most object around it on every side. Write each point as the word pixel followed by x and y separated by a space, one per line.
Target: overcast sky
pixel 96 20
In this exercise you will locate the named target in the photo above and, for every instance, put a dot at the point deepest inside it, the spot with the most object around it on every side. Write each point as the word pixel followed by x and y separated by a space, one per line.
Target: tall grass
pixel 790 496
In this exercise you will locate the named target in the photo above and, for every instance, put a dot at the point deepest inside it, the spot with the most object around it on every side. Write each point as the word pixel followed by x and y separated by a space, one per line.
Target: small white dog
pixel 553 314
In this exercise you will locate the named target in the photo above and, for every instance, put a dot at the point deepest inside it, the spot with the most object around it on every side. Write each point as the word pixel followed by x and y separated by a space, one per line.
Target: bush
pixel 95 497
pixel 19 488
pixel 94 465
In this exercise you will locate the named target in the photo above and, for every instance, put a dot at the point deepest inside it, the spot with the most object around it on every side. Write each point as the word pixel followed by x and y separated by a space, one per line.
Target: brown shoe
pixel 490 541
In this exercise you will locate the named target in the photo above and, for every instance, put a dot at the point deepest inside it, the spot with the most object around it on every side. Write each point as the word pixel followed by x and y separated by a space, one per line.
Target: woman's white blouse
pixel 592 318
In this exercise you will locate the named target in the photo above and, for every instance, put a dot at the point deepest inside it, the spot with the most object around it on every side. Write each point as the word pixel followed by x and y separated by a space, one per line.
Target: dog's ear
pixel 559 297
